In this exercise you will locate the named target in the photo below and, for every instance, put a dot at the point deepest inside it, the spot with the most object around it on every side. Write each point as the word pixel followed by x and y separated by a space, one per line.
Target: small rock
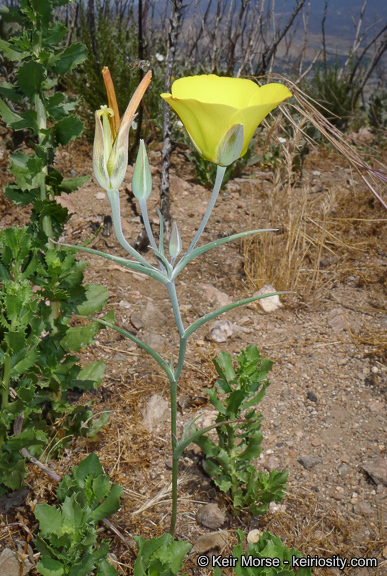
pixel 312 397
pixel 270 304
pixel 363 509
pixel 342 470
pixel 155 341
pixel 336 320
pixel 310 462
pixel 377 407
pixel 209 541
pixel 100 195
pixel 337 495
pixel 377 470
pixel 254 535
pixel 316 442
pixel 221 330
pixel 211 516
pixel 215 296
pixel 152 317
pixel 124 304
pixel 10 566
pixel 316 173
pixel 136 321
pixel 272 464
pixel 156 412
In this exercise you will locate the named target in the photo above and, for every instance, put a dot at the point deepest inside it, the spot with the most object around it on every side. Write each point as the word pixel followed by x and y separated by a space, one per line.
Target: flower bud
pixel 175 242
pixel 230 146
pixel 142 178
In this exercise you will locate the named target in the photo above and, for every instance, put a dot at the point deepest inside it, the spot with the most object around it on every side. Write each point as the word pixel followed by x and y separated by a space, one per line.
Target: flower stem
pixel 175 461
pixel 220 171
pixel 114 200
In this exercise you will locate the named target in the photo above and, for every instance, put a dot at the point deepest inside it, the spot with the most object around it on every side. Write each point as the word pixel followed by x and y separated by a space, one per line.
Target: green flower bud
pixel 230 146
pixel 175 242
pixel 142 178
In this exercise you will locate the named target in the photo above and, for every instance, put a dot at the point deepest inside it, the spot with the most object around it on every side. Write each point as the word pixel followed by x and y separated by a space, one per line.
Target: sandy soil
pixel 327 398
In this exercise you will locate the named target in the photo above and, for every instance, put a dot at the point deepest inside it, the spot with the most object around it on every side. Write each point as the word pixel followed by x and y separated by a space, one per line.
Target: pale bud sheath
pixel 142 178
pixel 230 146
pixel 175 245
pixel 110 157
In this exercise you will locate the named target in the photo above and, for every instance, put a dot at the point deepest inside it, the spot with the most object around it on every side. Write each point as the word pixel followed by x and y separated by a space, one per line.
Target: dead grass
pixel 321 232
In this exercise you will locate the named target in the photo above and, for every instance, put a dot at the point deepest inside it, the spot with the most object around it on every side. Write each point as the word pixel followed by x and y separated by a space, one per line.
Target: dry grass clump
pixel 326 233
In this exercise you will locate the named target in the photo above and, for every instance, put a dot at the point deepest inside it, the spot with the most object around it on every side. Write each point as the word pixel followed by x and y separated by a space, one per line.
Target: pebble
pixel 155 412
pixel 310 462
pixel 254 535
pixel 312 397
pixel 316 442
pixel 210 541
pixel 270 304
pixel 377 470
pixel 211 516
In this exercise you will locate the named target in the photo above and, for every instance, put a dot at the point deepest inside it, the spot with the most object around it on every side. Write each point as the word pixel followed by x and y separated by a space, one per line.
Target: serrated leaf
pixel 223 482
pixel 97 424
pixel 10 92
pixel 79 337
pixel 12 52
pixel 55 33
pixel 91 376
pixel 110 505
pixel 68 59
pixel 30 77
pixel 225 361
pixel 90 466
pixel 68 129
pixel 49 567
pixel 50 519
pixel 73 515
pixel 97 297
pixel 72 184
pixel 7 115
pixel 104 568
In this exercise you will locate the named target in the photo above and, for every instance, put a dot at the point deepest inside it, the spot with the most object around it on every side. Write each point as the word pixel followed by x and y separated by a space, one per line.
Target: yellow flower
pixel 110 150
pixel 209 106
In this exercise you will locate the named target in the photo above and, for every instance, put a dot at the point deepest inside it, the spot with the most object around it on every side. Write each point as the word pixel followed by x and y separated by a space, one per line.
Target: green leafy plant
pixel 36 368
pixel 268 546
pixel 67 538
pixel 41 286
pixel 377 111
pixel 334 89
pixel 161 556
pixel 239 444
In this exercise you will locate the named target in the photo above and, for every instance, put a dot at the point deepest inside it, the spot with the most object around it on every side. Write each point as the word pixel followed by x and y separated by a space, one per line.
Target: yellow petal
pixel 210 105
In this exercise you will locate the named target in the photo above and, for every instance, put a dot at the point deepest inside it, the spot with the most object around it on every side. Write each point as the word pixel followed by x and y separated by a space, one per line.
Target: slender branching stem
pixel 220 171
pixel 114 199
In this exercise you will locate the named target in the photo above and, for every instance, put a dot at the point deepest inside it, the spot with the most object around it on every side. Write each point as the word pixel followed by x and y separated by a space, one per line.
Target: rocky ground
pixel 325 410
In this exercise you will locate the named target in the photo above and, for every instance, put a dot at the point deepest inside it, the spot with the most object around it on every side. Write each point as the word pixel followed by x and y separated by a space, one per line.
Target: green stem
pixel 114 200
pixel 6 379
pixel 220 170
pixel 175 461
pixel 41 119
pixel 175 306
